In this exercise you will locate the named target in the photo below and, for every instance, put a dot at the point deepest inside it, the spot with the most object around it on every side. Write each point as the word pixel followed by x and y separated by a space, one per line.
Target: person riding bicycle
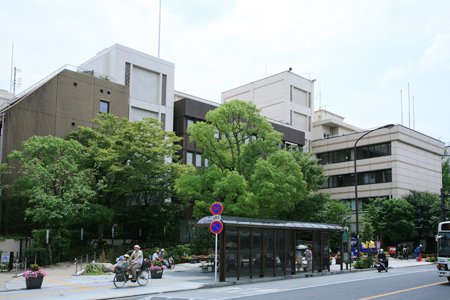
pixel 137 257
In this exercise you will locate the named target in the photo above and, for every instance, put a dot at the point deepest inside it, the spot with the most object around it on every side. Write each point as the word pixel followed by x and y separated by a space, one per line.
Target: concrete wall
pixel 65 102
pixel 146 76
pixel 284 98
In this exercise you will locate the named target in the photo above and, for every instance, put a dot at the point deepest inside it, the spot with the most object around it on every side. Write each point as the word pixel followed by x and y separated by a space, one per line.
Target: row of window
pixel 196 159
pixel 370 177
pixel 363 152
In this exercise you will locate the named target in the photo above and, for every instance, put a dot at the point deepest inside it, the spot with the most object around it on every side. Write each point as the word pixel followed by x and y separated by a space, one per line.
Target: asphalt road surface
pixel 400 283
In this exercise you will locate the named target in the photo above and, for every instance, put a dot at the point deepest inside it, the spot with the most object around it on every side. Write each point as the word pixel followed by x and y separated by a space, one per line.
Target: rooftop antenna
pixel 12 69
pixel 401 105
pixel 409 109
pixel 320 99
pixel 17 82
pixel 159 29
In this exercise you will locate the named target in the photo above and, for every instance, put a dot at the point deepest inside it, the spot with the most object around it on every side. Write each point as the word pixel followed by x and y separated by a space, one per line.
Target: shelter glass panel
pixel 231 252
pixel 269 259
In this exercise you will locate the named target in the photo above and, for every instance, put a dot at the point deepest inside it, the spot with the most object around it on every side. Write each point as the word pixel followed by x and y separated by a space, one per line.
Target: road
pixel 400 283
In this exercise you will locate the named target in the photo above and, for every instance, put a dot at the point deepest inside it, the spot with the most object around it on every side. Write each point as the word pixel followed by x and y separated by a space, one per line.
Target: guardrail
pixel 78 261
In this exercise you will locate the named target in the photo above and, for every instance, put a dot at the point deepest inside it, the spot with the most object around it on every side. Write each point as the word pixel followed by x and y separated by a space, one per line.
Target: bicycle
pixel 122 276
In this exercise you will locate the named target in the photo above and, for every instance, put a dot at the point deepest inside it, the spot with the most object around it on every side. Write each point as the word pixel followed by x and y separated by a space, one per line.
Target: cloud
pixel 437 56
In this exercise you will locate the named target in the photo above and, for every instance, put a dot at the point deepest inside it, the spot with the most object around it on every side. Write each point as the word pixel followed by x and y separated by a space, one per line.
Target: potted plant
pixel 34 276
pixel 157 269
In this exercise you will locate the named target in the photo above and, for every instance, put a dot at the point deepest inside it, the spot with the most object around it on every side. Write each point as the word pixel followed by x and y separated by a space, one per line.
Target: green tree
pixel 132 173
pixel 392 219
pixel 335 212
pixel 247 170
pixel 426 212
pixel 54 180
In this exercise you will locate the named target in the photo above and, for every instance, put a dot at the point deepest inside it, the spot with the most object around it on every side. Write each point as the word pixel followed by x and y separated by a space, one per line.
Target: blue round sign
pixel 216 208
pixel 216 226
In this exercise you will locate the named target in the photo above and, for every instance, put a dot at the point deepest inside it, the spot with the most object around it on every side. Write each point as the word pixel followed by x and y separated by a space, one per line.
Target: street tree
pixel 247 170
pixel 426 212
pixel 53 178
pixel 392 219
pixel 131 167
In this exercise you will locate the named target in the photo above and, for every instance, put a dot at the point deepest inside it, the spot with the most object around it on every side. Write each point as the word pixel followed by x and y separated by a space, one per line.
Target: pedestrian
pixel 405 252
pixel 417 252
pixel 136 260
pixel 298 259
pixel 308 255
pixel 156 255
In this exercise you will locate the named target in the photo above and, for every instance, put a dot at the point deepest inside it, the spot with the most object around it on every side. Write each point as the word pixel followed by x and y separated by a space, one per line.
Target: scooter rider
pixel 382 258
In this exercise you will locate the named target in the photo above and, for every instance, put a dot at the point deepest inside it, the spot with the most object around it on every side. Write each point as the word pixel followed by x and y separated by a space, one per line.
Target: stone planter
pixel 156 274
pixel 34 282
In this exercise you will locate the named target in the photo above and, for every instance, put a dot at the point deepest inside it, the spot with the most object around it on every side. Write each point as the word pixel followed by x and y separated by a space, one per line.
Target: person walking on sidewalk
pixel 405 252
pixel 308 255
pixel 417 252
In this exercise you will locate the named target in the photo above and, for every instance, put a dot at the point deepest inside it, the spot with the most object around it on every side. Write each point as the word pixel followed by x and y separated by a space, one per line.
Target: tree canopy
pixel 53 178
pixel 247 170
pixel 134 167
pixel 392 219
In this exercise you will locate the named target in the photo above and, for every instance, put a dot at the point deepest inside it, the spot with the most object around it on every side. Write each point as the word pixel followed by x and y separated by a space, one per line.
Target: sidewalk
pixel 61 282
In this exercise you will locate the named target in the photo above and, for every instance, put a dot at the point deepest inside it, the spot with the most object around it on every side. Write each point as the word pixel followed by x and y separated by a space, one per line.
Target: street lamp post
pixel 355 177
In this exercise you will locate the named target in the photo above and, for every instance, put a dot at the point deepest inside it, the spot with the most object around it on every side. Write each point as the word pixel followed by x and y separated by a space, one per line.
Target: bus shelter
pixel 254 248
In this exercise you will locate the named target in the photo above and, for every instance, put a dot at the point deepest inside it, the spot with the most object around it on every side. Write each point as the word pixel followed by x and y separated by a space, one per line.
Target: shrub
pixel 364 263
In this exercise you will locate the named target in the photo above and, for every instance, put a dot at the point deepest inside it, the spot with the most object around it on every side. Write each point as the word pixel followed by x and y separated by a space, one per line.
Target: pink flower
pixel 34 271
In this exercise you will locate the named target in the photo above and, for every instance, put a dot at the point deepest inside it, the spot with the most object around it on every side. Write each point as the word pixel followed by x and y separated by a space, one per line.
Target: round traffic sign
pixel 216 226
pixel 216 208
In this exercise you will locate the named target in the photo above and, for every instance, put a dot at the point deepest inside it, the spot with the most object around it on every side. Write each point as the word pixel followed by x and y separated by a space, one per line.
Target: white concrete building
pixel 327 124
pixel 390 163
pixel 284 98
pixel 150 81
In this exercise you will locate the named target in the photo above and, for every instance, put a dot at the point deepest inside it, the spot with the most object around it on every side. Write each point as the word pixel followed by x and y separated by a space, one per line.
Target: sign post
pixel 216 227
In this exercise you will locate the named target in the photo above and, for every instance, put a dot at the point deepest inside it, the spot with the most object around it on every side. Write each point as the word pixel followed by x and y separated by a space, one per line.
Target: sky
pixel 363 54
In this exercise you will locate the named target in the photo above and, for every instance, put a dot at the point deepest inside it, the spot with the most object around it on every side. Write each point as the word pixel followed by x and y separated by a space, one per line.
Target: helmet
pixel 381 250
pixel 162 250
pixel 126 255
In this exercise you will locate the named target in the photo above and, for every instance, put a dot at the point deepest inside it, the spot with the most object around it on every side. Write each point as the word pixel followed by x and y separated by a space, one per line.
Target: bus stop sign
pixel 216 226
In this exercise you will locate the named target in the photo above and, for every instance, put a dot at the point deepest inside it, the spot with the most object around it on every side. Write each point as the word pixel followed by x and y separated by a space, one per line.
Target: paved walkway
pixel 61 282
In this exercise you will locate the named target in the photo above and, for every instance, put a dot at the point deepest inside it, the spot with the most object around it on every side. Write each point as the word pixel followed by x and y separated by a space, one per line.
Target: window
pixel 104 106
pixel 371 177
pixel 164 90
pixel 198 159
pixel 363 152
pixel 189 158
pixel 189 123
pixel 206 162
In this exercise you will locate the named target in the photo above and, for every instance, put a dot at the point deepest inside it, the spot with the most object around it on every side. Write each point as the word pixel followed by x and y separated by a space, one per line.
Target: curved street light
pixel 355 177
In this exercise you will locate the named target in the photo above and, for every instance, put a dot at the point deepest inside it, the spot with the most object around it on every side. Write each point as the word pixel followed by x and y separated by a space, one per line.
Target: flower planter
pixel 156 274
pixel 34 282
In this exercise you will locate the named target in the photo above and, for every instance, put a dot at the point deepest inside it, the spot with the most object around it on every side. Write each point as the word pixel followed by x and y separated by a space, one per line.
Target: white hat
pixel 137 246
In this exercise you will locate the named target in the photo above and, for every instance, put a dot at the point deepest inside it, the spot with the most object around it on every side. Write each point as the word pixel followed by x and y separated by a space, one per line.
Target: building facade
pixel 390 163
pixel 284 98
pixel 150 81
pixel 55 107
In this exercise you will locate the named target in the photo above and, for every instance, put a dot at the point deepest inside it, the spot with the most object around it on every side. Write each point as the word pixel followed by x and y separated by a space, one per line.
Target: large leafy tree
pixel 132 173
pixel 247 170
pixel 426 212
pixel 392 219
pixel 55 182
